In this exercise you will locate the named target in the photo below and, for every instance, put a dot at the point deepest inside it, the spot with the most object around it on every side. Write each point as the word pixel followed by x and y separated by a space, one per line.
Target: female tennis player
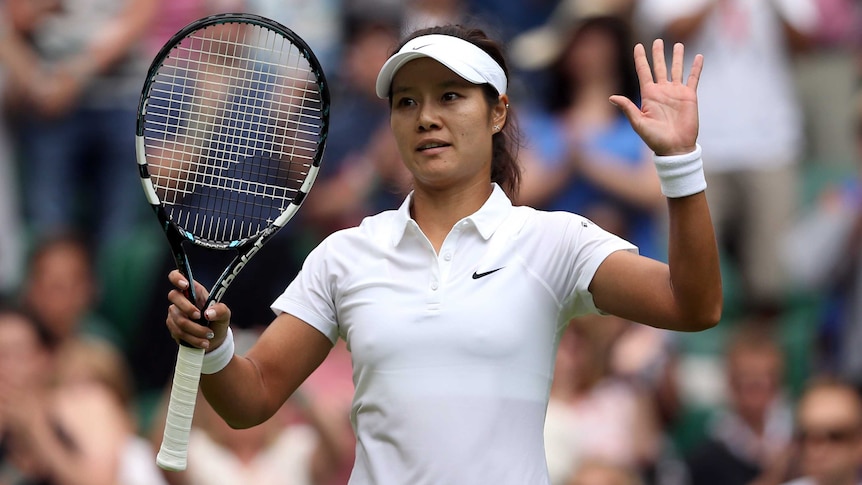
pixel 452 305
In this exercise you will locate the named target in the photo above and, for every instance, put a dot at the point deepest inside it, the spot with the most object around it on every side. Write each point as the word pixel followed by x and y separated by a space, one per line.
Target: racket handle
pixel 173 453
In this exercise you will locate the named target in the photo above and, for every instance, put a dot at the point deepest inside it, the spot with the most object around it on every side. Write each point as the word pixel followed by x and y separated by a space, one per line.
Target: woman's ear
pixel 500 111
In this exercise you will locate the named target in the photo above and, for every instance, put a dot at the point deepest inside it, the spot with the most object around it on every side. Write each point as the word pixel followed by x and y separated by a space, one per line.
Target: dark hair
pixel 47 340
pixel 60 239
pixel 562 89
pixel 505 168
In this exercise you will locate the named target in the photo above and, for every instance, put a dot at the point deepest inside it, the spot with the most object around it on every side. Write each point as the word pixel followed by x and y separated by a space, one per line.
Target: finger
pixel 218 315
pixel 676 62
pixel 629 109
pixel 696 69
pixel 642 66
pixel 178 280
pixel 181 328
pixel 201 293
pixel 183 304
pixel 659 65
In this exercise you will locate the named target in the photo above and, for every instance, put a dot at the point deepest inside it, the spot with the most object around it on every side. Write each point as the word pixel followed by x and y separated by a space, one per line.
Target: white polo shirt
pixel 453 353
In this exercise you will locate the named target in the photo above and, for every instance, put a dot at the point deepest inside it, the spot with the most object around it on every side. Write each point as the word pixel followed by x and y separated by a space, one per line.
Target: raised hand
pixel 667 120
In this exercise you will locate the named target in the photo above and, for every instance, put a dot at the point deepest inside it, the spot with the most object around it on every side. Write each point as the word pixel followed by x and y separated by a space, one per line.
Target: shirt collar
pixel 486 220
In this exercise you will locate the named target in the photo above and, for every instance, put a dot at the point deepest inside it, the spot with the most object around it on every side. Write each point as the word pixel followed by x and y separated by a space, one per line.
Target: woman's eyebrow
pixel 449 83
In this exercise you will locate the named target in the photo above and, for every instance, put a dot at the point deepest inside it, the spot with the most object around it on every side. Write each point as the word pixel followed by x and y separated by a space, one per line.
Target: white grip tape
pixel 181 409
pixel 219 358
pixel 681 175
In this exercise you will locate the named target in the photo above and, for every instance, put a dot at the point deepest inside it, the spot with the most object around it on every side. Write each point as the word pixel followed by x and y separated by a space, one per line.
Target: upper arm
pixel 287 352
pixel 636 288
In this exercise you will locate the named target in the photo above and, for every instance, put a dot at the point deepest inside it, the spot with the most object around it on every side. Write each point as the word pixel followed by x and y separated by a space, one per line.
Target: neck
pixel 437 211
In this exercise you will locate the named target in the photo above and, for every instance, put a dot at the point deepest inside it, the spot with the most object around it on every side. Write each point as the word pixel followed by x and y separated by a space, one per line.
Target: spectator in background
pixel 748 440
pixel 420 14
pixel 829 433
pixel 60 288
pixel 599 472
pixel 303 444
pixel 26 367
pixel 822 253
pixel 841 26
pixel 583 155
pixel 593 414
pixel 173 15
pixel 73 423
pixel 752 122
pixel 512 17
pixel 18 69
pixel 77 130
pixel 362 173
pixel 317 22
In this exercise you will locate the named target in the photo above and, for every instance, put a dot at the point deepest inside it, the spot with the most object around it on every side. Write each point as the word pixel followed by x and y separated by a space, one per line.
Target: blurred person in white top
pixel 752 122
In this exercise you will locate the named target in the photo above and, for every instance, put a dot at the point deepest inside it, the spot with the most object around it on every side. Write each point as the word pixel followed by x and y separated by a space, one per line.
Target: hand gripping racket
pixel 232 123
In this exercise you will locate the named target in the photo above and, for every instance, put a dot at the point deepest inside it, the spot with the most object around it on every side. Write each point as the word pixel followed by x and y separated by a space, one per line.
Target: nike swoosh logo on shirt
pixel 476 276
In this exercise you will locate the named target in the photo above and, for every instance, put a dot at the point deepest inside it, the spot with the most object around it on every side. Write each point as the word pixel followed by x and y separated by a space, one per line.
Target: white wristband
pixel 219 358
pixel 681 175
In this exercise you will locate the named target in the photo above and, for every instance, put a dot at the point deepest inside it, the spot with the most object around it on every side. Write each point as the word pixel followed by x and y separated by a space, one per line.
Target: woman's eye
pixel 450 96
pixel 405 102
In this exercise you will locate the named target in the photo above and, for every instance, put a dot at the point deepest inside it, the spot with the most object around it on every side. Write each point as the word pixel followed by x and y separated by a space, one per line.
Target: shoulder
pixel 548 223
pixel 560 235
pixel 373 232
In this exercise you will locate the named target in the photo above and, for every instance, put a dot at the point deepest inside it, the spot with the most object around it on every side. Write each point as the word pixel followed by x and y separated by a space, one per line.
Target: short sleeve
pixel 309 297
pixel 592 246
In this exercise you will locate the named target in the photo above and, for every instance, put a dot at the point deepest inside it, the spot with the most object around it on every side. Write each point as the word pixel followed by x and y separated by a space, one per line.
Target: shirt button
pixel 434 285
pixel 447 256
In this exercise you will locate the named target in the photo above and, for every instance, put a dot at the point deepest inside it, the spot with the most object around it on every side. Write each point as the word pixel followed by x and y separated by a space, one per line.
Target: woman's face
pixel 592 55
pixel 443 126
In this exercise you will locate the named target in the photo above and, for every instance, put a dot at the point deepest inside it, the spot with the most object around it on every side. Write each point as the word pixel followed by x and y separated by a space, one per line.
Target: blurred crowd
pixel 770 396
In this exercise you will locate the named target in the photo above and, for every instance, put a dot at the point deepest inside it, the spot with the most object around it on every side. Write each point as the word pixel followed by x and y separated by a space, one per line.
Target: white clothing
pixel 138 464
pixel 750 115
pixel 287 460
pixel 598 425
pixel 453 353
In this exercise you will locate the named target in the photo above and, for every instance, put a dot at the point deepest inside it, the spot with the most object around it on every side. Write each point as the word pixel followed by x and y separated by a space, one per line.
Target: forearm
pixel 238 394
pixel 695 275
pixel 250 389
pixel 21 62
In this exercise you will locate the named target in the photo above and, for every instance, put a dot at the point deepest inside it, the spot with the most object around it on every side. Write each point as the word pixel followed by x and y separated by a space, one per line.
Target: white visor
pixel 460 56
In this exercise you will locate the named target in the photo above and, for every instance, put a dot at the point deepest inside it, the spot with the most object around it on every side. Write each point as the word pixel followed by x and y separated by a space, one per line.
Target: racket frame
pixel 172 455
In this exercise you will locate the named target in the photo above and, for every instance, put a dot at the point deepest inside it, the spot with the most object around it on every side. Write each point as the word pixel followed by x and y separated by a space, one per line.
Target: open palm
pixel 667 120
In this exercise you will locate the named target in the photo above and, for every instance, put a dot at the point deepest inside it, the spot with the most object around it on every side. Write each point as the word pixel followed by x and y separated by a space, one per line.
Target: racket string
pixel 235 139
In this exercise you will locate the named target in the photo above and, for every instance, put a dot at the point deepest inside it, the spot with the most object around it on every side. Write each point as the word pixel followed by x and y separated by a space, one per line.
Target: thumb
pixel 626 106
pixel 218 319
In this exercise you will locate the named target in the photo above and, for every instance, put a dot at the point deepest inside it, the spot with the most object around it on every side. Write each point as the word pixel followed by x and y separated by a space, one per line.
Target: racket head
pixel 232 124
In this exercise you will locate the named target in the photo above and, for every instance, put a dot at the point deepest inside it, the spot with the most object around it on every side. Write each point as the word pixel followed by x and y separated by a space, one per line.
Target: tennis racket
pixel 232 123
